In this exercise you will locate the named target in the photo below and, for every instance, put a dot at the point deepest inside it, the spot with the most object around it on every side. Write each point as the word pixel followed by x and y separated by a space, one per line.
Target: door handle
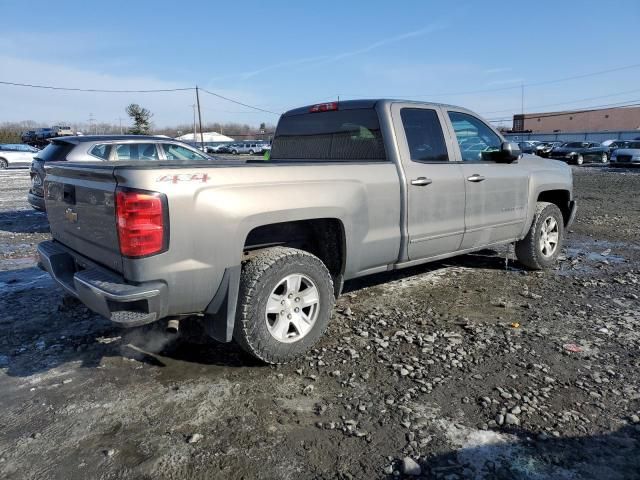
pixel 421 181
pixel 475 178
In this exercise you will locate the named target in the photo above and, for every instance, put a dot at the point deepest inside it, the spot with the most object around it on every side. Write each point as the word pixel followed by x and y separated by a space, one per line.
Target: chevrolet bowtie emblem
pixel 70 215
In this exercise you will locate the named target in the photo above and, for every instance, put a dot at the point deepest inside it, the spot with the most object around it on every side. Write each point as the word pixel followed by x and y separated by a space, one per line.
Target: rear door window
pixel 339 135
pixel 424 135
pixel 136 151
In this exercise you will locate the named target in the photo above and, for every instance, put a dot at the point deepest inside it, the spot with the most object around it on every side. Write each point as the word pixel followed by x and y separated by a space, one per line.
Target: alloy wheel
pixel 292 308
pixel 549 236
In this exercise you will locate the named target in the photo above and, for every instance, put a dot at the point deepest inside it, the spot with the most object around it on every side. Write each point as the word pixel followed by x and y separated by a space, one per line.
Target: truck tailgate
pixel 80 201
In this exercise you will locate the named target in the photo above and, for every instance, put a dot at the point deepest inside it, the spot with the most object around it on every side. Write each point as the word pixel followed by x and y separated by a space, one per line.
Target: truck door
pixel 496 193
pixel 435 185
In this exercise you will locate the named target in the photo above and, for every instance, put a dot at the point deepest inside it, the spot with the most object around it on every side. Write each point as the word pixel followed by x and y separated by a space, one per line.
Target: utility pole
pixel 199 118
pixel 120 120
pixel 522 99
pixel 194 124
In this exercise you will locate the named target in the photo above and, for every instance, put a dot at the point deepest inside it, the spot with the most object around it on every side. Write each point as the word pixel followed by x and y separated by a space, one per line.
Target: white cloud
pixel 49 106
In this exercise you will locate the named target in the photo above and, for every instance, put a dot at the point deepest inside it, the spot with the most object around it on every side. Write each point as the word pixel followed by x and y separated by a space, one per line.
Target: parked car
pixel 221 148
pixel 543 148
pixel 16 155
pixel 105 148
pixel 528 146
pixel 246 147
pixel 28 137
pixel 616 144
pixel 62 131
pixel 580 152
pixel 259 251
pixel 43 134
pixel 627 156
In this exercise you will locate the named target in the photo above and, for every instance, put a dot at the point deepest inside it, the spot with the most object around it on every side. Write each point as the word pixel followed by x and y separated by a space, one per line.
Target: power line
pixel 513 87
pixel 95 90
pixel 566 103
pixel 238 102
pixel 594 108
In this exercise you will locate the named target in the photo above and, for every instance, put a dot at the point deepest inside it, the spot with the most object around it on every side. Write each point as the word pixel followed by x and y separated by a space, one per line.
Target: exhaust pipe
pixel 173 326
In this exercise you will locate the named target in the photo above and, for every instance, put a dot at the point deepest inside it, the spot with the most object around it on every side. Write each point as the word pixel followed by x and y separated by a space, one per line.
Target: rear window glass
pixel 55 152
pixel 341 135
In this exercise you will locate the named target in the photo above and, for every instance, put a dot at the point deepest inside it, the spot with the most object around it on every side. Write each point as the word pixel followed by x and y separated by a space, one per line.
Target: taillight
pixel 324 107
pixel 142 221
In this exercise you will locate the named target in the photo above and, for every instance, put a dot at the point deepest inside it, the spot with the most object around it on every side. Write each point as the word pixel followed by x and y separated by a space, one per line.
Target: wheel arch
pixel 323 237
pixel 561 198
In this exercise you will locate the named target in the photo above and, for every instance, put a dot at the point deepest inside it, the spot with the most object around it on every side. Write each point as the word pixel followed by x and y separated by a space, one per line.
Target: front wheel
pixel 579 160
pixel 251 152
pixel 234 152
pixel 604 158
pixel 3 164
pixel 540 248
pixel 285 301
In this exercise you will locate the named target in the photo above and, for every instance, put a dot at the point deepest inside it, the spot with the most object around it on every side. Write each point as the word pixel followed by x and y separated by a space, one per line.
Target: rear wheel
pixel 234 152
pixel 540 248
pixel 285 301
pixel 251 152
pixel 579 160
pixel 3 164
pixel 604 158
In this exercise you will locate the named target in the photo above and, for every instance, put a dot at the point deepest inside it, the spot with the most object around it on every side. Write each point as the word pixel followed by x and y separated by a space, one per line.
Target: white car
pixel 16 155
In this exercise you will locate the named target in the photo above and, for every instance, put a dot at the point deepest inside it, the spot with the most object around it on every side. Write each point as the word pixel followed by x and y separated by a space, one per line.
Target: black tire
pixel 579 159
pixel 251 152
pixel 528 250
pixel 3 164
pixel 234 152
pixel 261 274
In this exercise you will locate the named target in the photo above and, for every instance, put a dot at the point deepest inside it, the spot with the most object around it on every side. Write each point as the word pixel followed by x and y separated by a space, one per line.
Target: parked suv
pixel 247 147
pixel 106 148
pixel 16 155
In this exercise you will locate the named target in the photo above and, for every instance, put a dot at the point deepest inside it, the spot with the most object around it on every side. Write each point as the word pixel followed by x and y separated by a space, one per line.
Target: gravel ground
pixel 468 368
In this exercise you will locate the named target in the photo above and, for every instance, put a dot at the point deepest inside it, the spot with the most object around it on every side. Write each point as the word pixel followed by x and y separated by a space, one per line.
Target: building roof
pixel 207 137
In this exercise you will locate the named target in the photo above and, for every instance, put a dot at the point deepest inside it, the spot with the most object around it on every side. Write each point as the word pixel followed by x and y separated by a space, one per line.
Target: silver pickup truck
pixel 259 250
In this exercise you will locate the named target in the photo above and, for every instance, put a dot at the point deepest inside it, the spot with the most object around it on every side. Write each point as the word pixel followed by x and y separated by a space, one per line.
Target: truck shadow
pixel 45 330
pixel 24 221
pixel 487 259
pixel 518 454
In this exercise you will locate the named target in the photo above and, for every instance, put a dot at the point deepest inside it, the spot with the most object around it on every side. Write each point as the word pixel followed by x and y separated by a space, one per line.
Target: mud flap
pixel 220 315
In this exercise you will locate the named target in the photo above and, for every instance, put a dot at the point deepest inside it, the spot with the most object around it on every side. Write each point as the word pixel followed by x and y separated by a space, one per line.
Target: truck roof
pixel 362 103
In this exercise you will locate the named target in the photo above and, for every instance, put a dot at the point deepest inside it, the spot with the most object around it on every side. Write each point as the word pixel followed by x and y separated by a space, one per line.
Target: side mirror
pixel 509 152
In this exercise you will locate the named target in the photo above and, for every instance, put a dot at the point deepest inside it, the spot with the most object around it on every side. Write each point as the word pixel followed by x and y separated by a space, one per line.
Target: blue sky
pixel 278 55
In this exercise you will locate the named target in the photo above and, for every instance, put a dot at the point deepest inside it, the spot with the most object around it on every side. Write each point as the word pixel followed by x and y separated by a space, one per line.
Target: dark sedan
pixel 581 152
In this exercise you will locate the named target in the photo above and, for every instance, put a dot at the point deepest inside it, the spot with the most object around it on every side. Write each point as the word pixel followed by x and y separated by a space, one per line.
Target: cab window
pixel 477 141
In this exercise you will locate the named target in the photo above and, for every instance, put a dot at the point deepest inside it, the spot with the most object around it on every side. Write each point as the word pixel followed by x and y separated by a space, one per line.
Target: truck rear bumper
pixel 103 291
